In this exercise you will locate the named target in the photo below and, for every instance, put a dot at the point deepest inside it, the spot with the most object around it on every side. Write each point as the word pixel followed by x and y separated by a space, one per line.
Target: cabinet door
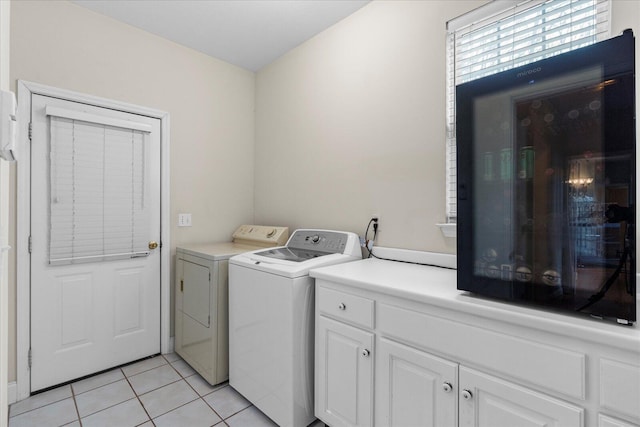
pixel 606 421
pixel 414 388
pixel 487 401
pixel 343 374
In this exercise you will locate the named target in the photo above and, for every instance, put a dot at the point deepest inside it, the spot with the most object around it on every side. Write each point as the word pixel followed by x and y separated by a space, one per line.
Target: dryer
pixel 201 297
pixel 271 321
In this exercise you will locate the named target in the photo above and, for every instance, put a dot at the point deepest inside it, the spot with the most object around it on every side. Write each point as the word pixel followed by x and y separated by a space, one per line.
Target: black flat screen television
pixel 546 182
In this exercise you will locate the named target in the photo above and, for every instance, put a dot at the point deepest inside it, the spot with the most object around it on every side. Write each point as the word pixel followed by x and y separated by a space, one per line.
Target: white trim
pixel 12 388
pixel 417 257
pixel 5 33
pixel 483 18
pixel 94 118
pixel 490 10
pixel 480 13
pixel 448 229
pixel 25 91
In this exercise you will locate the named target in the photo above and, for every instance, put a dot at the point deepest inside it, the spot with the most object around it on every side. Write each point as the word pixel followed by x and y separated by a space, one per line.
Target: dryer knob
pixel 315 238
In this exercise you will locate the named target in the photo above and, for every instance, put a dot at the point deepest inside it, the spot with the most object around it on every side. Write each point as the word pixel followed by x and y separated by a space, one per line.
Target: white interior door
pixel 95 213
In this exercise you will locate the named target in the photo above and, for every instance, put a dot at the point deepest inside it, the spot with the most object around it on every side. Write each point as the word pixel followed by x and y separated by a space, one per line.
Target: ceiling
pixel 246 33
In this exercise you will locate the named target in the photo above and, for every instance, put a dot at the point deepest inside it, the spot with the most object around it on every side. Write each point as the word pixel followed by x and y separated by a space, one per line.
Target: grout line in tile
pixel 212 408
pixel 218 387
pixel 165 413
pixel 157 388
pixel 37 394
pixel 75 404
pixel 185 404
pixel 235 413
pixel 174 368
pixel 202 397
pixel 139 401
pixel 121 367
pixel 109 407
pixel 198 394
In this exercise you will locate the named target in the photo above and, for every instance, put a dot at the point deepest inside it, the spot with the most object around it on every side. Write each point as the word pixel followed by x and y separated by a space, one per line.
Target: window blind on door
pixel 97 191
pixel 503 35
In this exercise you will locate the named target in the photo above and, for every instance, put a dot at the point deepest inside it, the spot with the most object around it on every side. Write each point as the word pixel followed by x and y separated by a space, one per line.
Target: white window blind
pixel 507 34
pixel 97 191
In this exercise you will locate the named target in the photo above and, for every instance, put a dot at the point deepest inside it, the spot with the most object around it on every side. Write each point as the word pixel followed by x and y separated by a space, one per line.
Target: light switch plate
pixel 184 220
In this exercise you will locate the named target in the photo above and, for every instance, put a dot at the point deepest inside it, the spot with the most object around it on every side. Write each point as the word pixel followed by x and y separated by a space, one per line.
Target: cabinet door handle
pixel 366 352
pixel 447 387
pixel 466 394
pixel 341 306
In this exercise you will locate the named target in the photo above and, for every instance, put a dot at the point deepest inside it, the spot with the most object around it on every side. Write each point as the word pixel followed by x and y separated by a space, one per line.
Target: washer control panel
pixel 331 242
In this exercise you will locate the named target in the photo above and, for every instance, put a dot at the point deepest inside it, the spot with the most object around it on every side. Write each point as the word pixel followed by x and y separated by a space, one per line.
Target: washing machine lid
pixel 291 254
pixel 286 268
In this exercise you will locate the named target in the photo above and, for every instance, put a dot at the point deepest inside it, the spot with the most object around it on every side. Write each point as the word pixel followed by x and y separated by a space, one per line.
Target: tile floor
pixel 162 391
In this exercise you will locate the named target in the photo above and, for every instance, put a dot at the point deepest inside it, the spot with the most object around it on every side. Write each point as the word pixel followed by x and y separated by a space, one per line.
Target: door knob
pixel 153 244
pixel 466 394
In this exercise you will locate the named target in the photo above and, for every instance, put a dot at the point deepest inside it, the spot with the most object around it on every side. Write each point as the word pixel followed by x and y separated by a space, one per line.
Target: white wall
pixel 211 104
pixel 352 123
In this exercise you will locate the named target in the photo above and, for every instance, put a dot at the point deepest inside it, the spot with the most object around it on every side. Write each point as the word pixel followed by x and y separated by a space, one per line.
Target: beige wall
pixel 352 123
pixel 211 104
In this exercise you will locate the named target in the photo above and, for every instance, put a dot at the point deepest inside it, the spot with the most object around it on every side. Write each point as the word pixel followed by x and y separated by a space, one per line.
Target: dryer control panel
pixel 261 235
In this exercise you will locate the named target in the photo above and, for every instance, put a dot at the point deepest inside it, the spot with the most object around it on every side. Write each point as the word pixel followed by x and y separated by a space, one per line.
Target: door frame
pixel 23 219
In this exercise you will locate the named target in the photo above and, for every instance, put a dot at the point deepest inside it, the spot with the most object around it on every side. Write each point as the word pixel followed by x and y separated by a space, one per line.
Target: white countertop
pixel 437 286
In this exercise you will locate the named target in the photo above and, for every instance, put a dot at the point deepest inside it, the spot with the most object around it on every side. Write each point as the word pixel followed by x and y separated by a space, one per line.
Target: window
pixel 506 34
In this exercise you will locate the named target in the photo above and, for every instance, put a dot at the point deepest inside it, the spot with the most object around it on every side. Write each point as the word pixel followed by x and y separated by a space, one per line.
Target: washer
pixel 201 298
pixel 271 321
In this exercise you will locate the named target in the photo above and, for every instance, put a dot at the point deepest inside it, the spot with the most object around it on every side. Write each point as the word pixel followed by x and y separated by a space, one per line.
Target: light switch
pixel 184 220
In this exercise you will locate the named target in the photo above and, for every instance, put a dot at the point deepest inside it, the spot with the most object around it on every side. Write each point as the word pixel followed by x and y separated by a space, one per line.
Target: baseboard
pixel 12 392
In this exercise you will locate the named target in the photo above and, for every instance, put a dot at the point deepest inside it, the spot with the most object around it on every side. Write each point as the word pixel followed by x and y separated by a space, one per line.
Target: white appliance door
pixel 271 343
pixel 95 218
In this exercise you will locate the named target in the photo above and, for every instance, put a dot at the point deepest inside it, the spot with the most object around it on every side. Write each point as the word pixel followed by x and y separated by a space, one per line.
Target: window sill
pixel 448 230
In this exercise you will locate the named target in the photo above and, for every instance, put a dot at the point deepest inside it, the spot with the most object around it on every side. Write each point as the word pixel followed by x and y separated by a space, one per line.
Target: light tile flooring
pixel 162 391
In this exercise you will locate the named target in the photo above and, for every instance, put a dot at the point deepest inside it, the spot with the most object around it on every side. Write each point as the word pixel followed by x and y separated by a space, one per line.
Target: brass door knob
pixel 153 244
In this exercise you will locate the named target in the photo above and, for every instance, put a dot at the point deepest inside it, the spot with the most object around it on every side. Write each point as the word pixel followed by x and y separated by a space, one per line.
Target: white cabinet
pixel 414 388
pixel 440 357
pixel 343 374
pixel 619 389
pixel 487 401
pixel 344 358
pixel 605 421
